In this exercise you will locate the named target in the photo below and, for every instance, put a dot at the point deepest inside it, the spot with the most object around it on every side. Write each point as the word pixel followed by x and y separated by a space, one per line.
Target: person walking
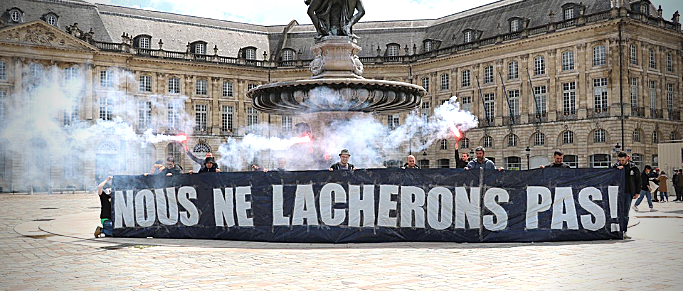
pixel 678 185
pixel 645 189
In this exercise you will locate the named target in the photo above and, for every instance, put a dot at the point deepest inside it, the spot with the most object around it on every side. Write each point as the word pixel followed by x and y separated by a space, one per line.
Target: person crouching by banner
pixel 633 183
pixel 209 166
pixel 410 163
pixel 343 164
pixel 558 157
pixel 199 161
pixel 104 192
pixel 481 161
pixel 645 189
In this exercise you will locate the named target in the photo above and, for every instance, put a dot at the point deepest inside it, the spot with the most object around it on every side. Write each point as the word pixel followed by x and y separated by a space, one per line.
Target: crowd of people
pixel 645 184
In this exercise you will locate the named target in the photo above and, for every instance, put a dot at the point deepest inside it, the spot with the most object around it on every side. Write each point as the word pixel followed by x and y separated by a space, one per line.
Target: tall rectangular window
pixel 145 83
pixel 466 78
pixel 70 73
pixel 541 94
pixel 392 50
pixel 174 85
pixel 106 108
pixel 3 105
pixel 488 75
pixel 201 87
pixel 467 104
pixel 634 92
pixel 200 48
pixel 569 98
pixel 71 114
pixel 173 115
pixel 539 65
pixel 513 70
pixel 200 113
pixel 3 71
pixel 599 57
pixel 252 119
pixel 669 63
pixel 227 118
pixel 144 114
pixel 634 54
pixel 445 81
pixel 600 94
pixel 670 97
pixel 425 83
pixel 106 78
pixel 489 105
pixel 568 61
pixel 569 13
pixel 653 60
pixel 393 121
pixel 227 89
pixel 286 123
pixel 653 95
pixel 514 101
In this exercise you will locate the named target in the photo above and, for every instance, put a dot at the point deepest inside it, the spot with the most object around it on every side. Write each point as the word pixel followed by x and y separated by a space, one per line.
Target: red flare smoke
pixel 302 139
pixel 180 138
pixel 456 132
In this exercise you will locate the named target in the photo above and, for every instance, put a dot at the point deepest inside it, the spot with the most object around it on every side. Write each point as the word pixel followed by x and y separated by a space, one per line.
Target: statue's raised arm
pixel 335 17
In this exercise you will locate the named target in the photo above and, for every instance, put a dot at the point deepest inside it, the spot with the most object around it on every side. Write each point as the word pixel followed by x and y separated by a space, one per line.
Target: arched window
pixel 287 55
pixel 636 135
pixel 393 50
pixel 201 148
pixel 198 47
pixel 465 143
pixel 143 41
pixel 16 15
pixel 444 144
pixel 176 151
pixel 539 139
pixel 568 137
pixel 599 135
pixel 487 142
pixel 35 70
pixel 51 19
pixel 249 53
pixel 512 140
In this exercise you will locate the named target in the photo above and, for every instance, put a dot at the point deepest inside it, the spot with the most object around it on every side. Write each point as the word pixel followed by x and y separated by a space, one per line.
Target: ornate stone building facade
pixel 541 75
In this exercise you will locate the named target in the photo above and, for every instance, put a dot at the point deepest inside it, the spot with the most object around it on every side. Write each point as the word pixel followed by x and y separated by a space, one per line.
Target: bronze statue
pixel 335 17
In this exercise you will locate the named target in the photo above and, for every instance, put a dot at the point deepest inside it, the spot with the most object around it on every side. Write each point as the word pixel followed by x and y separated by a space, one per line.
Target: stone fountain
pixel 336 89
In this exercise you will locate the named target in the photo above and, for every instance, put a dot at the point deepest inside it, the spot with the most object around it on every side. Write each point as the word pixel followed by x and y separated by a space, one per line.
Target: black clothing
pixel 174 171
pixel 632 178
pixel 562 165
pixel 201 162
pixel 339 167
pixel 205 169
pixel 105 203
pixel 459 163
pixel 644 181
pixel 416 167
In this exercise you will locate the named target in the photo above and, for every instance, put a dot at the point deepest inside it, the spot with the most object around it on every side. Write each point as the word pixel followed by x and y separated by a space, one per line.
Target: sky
pixel 281 12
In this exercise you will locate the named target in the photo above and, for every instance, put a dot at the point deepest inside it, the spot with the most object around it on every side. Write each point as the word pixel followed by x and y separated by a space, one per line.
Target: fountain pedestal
pixel 336 57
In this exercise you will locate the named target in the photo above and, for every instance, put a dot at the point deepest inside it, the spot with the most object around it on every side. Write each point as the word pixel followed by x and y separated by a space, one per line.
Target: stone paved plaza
pixel 47 244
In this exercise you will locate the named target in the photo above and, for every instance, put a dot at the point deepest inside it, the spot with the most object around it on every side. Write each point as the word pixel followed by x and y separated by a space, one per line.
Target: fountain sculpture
pixel 336 90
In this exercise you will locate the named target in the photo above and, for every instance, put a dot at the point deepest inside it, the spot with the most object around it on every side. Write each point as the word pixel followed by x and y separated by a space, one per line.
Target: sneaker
pixel 635 208
pixel 626 236
pixel 653 210
pixel 98 231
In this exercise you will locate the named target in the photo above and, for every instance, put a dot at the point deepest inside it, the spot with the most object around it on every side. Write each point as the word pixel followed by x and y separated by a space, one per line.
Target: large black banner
pixel 380 205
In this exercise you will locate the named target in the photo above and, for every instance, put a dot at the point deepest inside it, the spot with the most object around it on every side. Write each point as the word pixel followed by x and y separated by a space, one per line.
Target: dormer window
pixel 142 41
pixel 393 50
pixel 645 8
pixel 199 48
pixel 51 19
pixel 16 15
pixel 249 53
pixel 568 13
pixel 287 55
pixel 427 45
pixel 516 24
pixel 469 35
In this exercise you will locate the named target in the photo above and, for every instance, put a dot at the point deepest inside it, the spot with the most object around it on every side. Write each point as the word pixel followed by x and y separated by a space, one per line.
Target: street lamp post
pixel 528 163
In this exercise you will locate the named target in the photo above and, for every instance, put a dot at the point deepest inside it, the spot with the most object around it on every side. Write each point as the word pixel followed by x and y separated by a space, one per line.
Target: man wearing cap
pixel 208 166
pixel 343 164
pixel 481 161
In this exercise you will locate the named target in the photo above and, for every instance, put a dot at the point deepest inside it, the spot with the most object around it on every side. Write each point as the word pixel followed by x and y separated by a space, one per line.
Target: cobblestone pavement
pixel 74 261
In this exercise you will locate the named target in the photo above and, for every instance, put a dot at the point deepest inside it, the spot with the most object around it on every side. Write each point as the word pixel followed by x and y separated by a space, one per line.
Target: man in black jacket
pixel 462 160
pixel 633 184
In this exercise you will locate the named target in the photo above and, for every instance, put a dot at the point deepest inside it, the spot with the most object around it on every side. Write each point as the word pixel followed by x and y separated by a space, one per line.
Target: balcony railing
pixel 538 117
pixel 638 111
pixel 512 120
pixel 598 112
pixel 656 113
pixel 567 114
pixel 674 115
pixel 487 122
